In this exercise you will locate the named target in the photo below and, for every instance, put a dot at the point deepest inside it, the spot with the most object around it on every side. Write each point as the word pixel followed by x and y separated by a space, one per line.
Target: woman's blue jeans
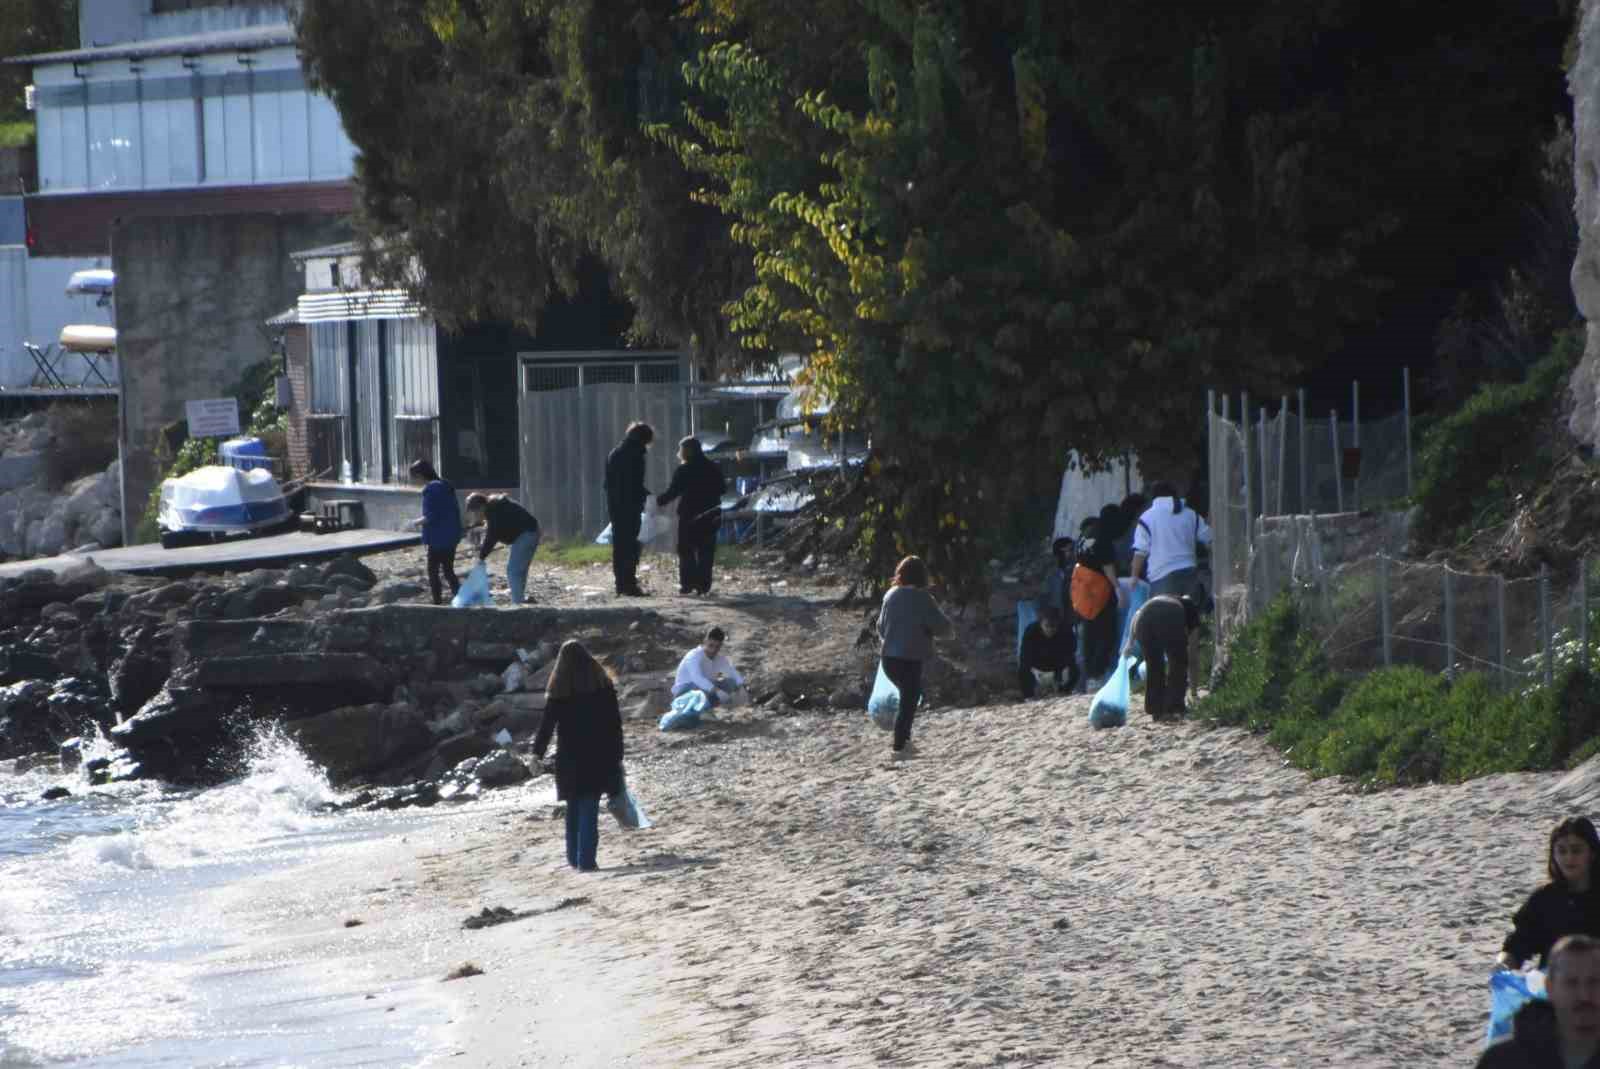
pixel 583 831
pixel 518 561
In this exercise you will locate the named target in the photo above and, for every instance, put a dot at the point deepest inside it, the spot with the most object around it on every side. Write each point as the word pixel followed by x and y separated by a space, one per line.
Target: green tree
pixel 28 27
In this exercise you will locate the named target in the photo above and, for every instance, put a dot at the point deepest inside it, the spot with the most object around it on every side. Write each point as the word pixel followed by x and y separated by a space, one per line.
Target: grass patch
pixel 16 134
pixel 1400 725
pixel 581 552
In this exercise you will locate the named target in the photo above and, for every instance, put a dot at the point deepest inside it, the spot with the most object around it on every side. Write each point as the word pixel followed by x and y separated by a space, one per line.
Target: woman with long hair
pixel 441 528
pixel 581 711
pixel 1568 905
pixel 907 623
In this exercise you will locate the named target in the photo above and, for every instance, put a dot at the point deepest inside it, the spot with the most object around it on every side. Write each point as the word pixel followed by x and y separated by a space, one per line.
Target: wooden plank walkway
pixel 241 554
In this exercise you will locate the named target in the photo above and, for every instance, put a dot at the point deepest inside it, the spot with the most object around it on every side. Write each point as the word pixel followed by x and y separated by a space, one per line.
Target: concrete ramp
pixel 233 555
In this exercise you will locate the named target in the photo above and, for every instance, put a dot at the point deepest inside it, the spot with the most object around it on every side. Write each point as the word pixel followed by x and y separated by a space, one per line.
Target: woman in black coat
pixel 697 487
pixel 581 710
pixel 1568 905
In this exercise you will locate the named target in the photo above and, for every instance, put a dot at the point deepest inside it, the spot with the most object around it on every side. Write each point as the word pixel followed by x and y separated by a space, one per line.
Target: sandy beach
pixel 1025 890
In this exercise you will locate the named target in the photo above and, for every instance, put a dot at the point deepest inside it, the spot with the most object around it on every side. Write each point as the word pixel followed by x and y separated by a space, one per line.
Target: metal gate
pixel 574 410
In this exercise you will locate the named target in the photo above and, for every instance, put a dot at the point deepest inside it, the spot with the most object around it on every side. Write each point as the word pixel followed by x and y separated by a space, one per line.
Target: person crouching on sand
pixel 1568 905
pixel 581 710
pixel 1563 1033
pixel 908 621
pixel 707 669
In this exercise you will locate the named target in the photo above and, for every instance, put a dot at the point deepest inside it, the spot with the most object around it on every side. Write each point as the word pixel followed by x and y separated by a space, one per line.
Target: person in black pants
pixel 1098 553
pixel 441 528
pixel 697 487
pixel 1047 647
pixel 625 498
pixel 908 622
pixel 1161 627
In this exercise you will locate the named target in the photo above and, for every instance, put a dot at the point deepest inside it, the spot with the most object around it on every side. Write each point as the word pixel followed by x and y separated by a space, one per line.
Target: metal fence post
pixel 1244 454
pixel 1283 448
pixel 1544 625
pixel 1500 632
pixel 1449 625
pixel 1338 465
pixel 1305 496
pixel 1383 607
pixel 1355 441
pixel 1406 389
pixel 1261 444
pixel 1583 612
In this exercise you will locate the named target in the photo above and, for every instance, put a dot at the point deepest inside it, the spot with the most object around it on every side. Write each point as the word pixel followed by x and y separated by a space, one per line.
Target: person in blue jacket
pixel 441 529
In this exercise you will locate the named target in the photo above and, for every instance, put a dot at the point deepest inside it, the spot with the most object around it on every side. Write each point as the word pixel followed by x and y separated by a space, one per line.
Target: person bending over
pixel 506 521
pixel 1161 627
pixel 707 669
pixel 1563 1033
pixel 1047 647
pixel 1568 905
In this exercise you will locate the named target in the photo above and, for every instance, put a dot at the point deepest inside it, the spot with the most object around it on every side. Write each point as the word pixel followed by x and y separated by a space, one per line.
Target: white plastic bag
pixel 626 808
pixel 687 708
pixel 474 588
pixel 648 527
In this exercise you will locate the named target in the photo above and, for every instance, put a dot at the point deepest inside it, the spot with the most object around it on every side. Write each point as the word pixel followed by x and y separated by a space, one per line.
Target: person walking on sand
pixel 581 712
pixel 1162 627
pixel 1166 543
pixel 506 521
pixel 1564 1032
pixel 908 622
pixel 625 501
pixel 707 669
pixel 441 529
pixel 697 486
pixel 1568 905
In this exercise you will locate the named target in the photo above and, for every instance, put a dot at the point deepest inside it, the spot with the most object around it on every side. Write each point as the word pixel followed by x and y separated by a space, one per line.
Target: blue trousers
pixel 518 562
pixel 583 831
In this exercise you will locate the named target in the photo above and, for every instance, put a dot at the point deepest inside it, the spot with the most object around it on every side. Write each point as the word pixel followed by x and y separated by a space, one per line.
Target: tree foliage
pixel 999 231
pixel 28 27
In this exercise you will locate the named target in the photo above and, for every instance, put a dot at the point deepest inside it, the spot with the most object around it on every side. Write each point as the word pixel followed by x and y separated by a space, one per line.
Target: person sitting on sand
pixel 581 711
pixel 908 621
pixel 1047 647
pixel 1568 905
pixel 707 669
pixel 1162 627
pixel 1563 1033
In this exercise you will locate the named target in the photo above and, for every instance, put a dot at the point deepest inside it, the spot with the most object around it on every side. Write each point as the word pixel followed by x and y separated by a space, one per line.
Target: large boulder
pixel 350 677
pixel 347 565
pixel 358 740
pixel 20 469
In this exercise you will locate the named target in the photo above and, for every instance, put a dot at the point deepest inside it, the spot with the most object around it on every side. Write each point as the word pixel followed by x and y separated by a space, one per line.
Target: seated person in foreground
pixel 707 669
pixel 1047 647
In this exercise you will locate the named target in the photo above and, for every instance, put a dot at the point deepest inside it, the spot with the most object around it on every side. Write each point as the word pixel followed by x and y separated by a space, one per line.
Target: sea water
pixel 118 946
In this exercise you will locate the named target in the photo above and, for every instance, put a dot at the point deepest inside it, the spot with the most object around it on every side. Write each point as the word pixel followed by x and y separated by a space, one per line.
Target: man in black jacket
pixel 1565 1032
pixel 625 498
pixel 697 486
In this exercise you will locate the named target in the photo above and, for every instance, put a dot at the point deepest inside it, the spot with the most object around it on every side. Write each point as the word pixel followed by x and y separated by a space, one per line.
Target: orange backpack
pixel 1091 592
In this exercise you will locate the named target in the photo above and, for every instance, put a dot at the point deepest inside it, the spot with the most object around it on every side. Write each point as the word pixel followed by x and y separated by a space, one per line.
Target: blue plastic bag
pixel 627 810
pixel 1110 707
pixel 1027 613
pixel 685 712
pixel 1508 993
pixel 474 588
pixel 884 704
pixel 1140 595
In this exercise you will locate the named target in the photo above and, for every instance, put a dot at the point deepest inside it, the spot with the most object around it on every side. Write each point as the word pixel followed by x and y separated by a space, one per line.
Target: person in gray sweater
pixel 907 624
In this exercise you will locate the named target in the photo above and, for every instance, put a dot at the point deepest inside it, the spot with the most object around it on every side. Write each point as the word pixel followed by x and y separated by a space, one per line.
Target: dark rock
pixel 487 684
pixel 397 590
pixel 496 653
pixel 54 793
pixel 70 754
pixel 416 794
pixel 467 746
pixel 501 769
pixel 344 584
pixel 210 607
pixel 347 565
pixel 165 597
pixel 302 576
pixel 346 637
pixel 361 739
pixel 60 616
pixel 353 677
pixel 18 664
pixel 92 604
pixel 174 710
pixel 259 601
pixel 138 676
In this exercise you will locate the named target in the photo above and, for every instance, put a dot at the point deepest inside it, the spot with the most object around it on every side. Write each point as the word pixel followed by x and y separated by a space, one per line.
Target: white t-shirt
pixel 1168 540
pixel 698 670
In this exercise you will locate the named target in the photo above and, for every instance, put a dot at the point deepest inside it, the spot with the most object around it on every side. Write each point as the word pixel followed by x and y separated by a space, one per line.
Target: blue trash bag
pixel 884 704
pixel 1508 993
pixel 474 588
pixel 685 712
pixel 626 809
pixel 1110 708
pixel 1027 613
pixel 1140 595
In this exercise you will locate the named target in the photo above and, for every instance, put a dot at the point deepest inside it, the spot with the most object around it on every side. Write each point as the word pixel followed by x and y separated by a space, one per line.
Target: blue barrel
pixel 244 453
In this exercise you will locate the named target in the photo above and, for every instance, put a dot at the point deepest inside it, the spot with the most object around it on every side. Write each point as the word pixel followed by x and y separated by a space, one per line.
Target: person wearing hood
pixel 1563 1033
pixel 697 487
pixel 625 501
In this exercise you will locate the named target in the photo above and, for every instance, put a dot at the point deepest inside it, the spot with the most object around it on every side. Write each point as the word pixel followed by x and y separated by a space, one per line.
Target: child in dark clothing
pixel 1568 905
pixel 1047 647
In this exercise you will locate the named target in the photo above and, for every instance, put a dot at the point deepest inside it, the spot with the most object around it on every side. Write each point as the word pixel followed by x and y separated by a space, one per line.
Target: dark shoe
pixel 685 592
pixel 588 868
pixel 636 592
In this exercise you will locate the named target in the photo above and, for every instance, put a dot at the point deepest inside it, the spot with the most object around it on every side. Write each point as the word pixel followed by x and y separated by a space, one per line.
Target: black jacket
pixel 588 729
pixel 697 487
pixel 1550 913
pixel 503 521
pixel 1051 653
pixel 625 492
pixel 1532 1043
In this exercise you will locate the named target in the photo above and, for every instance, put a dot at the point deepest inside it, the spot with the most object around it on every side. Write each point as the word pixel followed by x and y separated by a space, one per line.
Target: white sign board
pixel 214 418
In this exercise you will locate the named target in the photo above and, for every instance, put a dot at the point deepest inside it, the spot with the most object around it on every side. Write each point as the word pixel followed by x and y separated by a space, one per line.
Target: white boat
pixel 219 500
pixel 93 282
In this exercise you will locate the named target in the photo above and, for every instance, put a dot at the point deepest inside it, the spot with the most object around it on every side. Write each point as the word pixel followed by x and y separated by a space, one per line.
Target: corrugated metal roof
pixel 245 38
pixel 286 318
pixel 365 304
pixel 343 248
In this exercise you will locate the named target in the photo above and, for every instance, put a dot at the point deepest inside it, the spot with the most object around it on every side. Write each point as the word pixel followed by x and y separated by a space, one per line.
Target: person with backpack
pixel 697 487
pixel 1166 541
pixel 1095 595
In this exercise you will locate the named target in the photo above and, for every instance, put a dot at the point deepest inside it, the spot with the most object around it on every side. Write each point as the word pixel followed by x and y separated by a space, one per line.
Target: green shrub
pixel 16 135
pixel 1473 462
pixel 1381 726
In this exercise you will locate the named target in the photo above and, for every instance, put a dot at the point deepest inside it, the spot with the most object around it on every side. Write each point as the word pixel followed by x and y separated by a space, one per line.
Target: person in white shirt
pixel 1164 543
pixel 706 669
